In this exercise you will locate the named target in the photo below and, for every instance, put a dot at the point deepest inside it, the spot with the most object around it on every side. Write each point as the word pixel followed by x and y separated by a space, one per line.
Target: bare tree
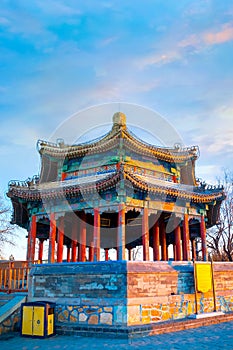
pixel 6 229
pixel 220 237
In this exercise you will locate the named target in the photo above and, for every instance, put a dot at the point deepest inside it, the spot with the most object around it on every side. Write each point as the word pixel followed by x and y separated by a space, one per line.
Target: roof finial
pixel 119 118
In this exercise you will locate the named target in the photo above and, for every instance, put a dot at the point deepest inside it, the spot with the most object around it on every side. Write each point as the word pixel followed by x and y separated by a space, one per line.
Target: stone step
pixel 3 301
pixel 5 297
pixel 143 330
pixel 12 304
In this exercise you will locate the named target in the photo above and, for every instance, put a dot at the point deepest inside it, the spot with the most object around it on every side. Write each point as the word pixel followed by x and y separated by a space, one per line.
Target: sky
pixel 60 57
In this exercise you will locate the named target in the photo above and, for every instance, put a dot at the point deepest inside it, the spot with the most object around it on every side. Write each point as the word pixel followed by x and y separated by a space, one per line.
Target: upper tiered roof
pixel 111 140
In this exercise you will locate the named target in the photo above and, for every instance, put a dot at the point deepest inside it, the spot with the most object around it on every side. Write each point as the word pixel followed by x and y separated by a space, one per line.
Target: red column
pixel 203 238
pixel 68 254
pixel 163 240
pixel 91 252
pixel 174 252
pixel 121 233
pixel 52 238
pixel 32 240
pixel 74 242
pixel 155 233
pixel 186 252
pixel 178 243
pixel 40 251
pixel 106 255
pixel 194 254
pixel 28 245
pixel 83 238
pixel 96 238
pixel 74 250
pixel 145 235
pixel 60 240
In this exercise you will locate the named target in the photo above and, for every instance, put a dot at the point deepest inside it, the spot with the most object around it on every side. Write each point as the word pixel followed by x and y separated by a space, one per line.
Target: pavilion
pixel 115 192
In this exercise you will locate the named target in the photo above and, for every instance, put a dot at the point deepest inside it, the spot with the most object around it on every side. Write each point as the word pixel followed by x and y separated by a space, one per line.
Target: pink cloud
pixel 226 34
pixel 197 41
pixel 192 40
pixel 208 38
pixel 158 59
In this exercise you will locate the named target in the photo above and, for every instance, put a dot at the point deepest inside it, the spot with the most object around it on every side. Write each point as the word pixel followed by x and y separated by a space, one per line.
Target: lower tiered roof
pixel 105 181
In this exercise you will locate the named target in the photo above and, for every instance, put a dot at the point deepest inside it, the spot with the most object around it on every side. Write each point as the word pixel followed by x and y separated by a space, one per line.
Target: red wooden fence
pixel 14 276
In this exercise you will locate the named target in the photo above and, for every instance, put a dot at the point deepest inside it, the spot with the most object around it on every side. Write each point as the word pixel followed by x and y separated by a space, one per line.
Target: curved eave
pixel 61 192
pixel 196 197
pixel 69 191
pixel 167 154
pixel 78 150
pixel 110 141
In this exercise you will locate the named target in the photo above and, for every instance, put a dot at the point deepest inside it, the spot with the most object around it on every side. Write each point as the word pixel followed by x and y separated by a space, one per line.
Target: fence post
pixel 11 265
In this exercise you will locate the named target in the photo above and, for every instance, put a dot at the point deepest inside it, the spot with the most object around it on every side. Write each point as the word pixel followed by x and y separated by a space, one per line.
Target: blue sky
pixel 60 57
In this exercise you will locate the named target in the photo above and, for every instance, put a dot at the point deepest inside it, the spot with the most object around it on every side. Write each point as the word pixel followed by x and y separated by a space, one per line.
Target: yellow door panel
pixel 27 320
pixel 50 324
pixel 204 277
pixel 38 321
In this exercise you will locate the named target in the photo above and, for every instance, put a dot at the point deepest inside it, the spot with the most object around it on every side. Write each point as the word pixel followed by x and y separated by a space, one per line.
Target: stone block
pixel 145 312
pixel 120 314
pixel 156 313
pixel 108 309
pixel 146 319
pixel 61 318
pixel 73 319
pixel 134 315
pixel 93 319
pixel 106 318
pixel 82 317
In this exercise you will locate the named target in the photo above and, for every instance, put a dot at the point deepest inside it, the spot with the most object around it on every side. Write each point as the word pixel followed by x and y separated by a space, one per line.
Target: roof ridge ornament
pixel 119 120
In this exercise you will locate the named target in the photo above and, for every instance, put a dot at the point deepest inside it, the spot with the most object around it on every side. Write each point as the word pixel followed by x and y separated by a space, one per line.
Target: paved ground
pixel 212 337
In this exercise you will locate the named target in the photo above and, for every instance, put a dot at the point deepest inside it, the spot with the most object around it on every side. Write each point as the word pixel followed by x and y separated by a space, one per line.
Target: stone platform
pixel 122 298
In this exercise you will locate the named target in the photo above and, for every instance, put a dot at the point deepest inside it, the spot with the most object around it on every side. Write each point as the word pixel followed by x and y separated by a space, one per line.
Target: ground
pixel 212 337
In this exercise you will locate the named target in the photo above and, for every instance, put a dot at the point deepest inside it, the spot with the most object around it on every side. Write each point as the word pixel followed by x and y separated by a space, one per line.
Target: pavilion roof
pixel 111 140
pixel 91 184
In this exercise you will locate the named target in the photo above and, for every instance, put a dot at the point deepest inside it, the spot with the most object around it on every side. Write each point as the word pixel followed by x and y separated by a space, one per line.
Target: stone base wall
pixel 11 324
pixel 165 291
pixel 122 294
pixel 177 308
pixel 85 293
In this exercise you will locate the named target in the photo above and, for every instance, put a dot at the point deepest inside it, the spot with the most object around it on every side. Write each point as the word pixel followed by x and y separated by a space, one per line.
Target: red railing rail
pixel 14 275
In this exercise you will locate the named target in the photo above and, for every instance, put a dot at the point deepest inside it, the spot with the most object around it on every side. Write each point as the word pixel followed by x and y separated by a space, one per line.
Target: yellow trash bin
pixel 37 319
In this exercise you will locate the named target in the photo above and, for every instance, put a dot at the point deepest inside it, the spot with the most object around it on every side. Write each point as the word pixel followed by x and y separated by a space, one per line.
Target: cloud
pixel 222 142
pixel 208 173
pixel 107 41
pixel 224 35
pixel 121 88
pixel 158 59
pixel 209 38
pixel 55 7
pixel 21 24
pixel 19 135
pixel 192 40
pixel 197 9
pixel 215 136
pixel 178 49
